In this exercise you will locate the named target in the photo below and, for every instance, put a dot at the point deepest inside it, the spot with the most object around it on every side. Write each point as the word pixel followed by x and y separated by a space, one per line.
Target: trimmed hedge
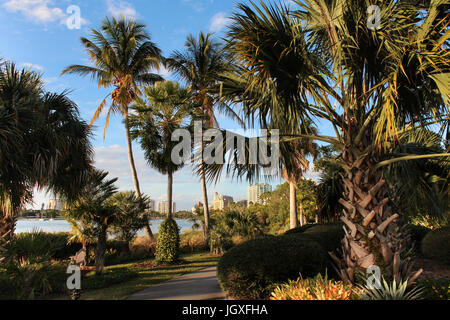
pixel 435 245
pixel 251 270
pixel 329 236
pixel 168 244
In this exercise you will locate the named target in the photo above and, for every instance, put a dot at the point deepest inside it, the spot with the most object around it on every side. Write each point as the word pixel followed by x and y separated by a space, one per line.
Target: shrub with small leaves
pixel 435 289
pixel 317 288
pixel 168 244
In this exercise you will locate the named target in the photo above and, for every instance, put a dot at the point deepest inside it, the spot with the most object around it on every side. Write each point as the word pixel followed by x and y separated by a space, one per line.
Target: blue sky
pixel 35 35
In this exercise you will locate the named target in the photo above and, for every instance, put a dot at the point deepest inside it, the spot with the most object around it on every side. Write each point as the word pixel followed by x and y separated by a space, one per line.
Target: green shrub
pixel 252 269
pixel 435 245
pixel 168 244
pixel 300 229
pixel 25 279
pixel 435 289
pixel 417 234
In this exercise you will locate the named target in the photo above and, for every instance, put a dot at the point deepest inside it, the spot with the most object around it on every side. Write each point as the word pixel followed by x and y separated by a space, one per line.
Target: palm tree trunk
pixel 372 236
pixel 135 177
pixel 7 227
pixel 100 250
pixel 205 206
pixel 293 205
pixel 169 193
pixel 302 217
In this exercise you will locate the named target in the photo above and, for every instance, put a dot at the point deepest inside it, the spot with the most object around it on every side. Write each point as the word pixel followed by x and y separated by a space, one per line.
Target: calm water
pixel 29 225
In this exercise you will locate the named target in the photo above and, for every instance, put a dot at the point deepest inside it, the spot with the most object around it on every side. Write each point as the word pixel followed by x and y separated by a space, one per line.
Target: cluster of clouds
pixel 39 11
pixel 46 12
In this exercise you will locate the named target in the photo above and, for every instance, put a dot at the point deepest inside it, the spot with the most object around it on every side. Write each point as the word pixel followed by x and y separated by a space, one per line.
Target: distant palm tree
pixel 123 56
pixel 163 110
pixel 92 208
pixel 201 66
pixel 43 144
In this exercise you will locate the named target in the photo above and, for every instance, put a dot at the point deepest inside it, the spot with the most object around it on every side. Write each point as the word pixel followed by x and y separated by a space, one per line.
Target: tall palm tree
pixel 164 110
pixel 92 208
pixel 370 85
pixel 123 56
pixel 201 66
pixel 44 144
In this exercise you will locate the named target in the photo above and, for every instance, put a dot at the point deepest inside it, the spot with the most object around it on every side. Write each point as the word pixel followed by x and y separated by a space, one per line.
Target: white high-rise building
pixel 163 207
pixel 220 202
pixel 255 191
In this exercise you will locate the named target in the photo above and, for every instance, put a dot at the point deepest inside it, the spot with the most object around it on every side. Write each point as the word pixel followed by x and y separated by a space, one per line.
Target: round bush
pixel 252 269
pixel 329 236
pixel 435 245
pixel 168 244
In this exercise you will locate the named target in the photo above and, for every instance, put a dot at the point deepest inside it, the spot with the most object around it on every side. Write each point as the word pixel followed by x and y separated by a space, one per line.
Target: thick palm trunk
pixel 7 226
pixel 205 207
pixel 169 194
pixel 134 176
pixel 372 236
pixel 100 250
pixel 293 205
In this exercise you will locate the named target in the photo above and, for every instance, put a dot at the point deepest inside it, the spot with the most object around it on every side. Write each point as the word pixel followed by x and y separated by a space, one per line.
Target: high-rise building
pixel 255 191
pixel 55 204
pixel 163 207
pixel 220 202
pixel 151 205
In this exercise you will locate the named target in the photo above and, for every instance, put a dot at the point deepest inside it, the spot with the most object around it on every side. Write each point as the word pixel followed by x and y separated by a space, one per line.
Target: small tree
pixel 93 208
pixel 130 218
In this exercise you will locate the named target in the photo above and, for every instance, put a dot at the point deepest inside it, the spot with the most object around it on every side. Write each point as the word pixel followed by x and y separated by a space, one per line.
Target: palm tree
pixel 165 110
pixel 130 218
pixel 201 66
pixel 370 85
pixel 93 208
pixel 44 144
pixel 123 55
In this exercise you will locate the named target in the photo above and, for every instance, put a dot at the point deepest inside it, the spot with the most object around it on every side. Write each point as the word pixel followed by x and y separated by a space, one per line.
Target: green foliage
pixel 435 245
pixel 435 289
pixel 392 291
pixel 230 223
pixel 108 278
pixel 25 279
pixel 168 244
pixel 130 218
pixel 329 236
pixel 417 234
pixel 250 270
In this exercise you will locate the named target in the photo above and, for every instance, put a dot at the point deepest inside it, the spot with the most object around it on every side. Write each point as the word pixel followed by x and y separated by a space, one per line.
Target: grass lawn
pixel 147 277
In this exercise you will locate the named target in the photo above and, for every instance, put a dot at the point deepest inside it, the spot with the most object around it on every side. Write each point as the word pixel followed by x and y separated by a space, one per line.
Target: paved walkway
pixel 200 285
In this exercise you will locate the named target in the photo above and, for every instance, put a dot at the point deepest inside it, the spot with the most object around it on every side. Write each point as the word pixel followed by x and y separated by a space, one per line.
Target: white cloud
pixel 36 67
pixel 218 22
pixel 38 11
pixel 119 8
